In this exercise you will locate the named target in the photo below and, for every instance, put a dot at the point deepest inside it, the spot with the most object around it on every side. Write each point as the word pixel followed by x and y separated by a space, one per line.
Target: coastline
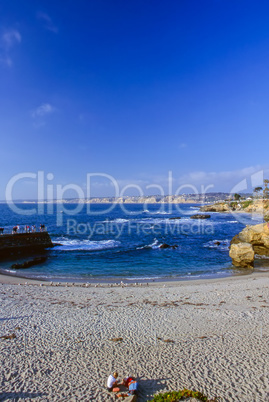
pixel 10 279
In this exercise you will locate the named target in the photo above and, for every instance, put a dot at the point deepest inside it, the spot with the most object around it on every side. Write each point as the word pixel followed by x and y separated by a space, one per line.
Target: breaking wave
pixel 154 245
pixel 90 245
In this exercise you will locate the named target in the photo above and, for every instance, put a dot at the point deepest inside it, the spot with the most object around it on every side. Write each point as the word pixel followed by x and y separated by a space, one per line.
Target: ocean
pixel 121 242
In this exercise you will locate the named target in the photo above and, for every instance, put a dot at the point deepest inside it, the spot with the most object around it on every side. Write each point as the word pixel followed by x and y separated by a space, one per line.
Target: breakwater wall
pixel 24 243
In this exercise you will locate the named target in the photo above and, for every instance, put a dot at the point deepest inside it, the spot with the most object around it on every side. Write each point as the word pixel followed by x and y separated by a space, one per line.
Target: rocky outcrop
pixel 200 216
pixel 222 207
pixel 252 240
pixel 165 245
pixel 257 236
pixel 252 206
pixel 242 255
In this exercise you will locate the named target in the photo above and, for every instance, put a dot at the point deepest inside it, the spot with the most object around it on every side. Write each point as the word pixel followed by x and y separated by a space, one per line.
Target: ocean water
pixel 121 242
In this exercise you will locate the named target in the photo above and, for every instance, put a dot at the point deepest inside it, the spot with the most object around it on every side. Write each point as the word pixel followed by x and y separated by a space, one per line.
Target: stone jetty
pixel 24 243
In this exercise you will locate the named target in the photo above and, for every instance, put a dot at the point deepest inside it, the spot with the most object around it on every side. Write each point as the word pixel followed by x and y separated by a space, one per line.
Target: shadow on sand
pixel 149 387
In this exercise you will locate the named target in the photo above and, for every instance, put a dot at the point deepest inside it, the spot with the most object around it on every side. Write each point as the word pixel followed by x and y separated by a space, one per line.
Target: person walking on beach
pixel 112 382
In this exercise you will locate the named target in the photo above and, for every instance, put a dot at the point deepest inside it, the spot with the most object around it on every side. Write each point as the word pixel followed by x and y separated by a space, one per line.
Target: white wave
pixel 152 221
pixel 262 257
pixel 154 245
pixel 72 245
pixel 162 213
pixel 264 269
pixel 146 211
pixel 219 222
pixel 9 270
pixel 118 220
pixel 156 221
pixel 144 278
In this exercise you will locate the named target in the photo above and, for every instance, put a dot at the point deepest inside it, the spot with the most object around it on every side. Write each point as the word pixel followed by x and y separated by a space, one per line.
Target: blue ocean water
pixel 121 242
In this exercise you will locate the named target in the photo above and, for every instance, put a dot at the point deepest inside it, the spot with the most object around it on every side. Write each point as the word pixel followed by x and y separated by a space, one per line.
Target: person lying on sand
pixel 126 381
pixel 112 382
pixel 131 384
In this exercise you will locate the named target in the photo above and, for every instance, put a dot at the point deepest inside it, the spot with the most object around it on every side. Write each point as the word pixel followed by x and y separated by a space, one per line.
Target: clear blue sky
pixel 134 89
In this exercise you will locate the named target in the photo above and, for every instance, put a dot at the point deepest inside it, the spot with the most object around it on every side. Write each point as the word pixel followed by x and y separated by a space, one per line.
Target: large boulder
pixel 257 236
pixel 242 255
pixel 252 240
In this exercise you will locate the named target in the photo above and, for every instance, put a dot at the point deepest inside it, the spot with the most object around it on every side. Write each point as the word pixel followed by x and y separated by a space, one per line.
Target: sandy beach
pixel 210 336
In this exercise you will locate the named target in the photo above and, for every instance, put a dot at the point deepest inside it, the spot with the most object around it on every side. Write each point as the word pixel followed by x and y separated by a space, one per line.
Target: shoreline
pixel 8 278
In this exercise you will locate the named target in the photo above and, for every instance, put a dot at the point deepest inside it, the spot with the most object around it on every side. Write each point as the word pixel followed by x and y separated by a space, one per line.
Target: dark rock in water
pixel 30 263
pixel 177 217
pixel 165 245
pixel 200 216
pixel 217 243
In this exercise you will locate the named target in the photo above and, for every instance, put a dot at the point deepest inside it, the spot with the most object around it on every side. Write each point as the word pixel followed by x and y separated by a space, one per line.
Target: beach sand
pixel 210 336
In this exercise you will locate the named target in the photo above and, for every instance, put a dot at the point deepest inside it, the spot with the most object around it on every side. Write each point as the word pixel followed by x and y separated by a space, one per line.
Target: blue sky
pixel 133 89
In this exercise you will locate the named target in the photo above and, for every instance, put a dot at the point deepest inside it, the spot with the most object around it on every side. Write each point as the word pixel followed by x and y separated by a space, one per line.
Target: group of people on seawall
pixel 26 229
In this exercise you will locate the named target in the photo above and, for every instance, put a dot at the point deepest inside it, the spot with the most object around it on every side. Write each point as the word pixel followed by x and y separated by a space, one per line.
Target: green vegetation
pixel 175 396
pixel 237 196
pixel 258 191
pixel 266 189
pixel 245 204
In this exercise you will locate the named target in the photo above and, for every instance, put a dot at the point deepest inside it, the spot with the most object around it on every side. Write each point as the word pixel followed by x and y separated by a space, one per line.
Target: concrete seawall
pixel 24 243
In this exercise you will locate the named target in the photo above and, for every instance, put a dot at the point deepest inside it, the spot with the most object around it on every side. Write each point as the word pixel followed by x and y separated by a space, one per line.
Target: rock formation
pixel 252 240
pixel 200 216
pixel 251 206
pixel 222 207
pixel 242 255
pixel 165 245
